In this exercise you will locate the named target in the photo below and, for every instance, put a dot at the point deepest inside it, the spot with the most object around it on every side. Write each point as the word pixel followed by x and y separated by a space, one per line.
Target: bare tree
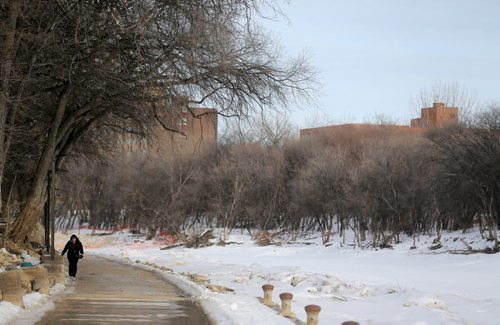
pixel 108 66
pixel 470 155
pixel 451 94
pixel 275 129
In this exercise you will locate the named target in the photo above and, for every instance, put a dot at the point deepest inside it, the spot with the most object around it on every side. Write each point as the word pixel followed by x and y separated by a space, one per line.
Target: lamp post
pixel 50 210
pixel 52 206
pixel 46 216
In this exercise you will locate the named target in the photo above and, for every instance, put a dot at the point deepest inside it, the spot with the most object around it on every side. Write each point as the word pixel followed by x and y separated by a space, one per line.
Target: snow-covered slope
pixel 390 286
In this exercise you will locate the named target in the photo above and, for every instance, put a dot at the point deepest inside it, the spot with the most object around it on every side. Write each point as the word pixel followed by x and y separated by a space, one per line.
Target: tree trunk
pixel 34 202
pixel 7 50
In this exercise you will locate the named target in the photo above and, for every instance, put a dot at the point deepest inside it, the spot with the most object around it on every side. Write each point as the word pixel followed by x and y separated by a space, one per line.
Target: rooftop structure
pixel 436 116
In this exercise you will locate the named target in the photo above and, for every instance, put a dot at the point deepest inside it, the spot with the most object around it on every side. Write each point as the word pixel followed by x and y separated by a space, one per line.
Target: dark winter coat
pixel 74 250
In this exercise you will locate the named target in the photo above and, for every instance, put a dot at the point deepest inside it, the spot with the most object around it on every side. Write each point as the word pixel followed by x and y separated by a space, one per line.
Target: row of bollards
pixel 312 311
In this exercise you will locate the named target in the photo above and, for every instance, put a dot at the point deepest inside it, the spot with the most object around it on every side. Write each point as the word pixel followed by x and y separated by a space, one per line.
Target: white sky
pixel 373 55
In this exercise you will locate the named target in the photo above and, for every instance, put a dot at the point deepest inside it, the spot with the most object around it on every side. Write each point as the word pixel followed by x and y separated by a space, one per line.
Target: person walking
pixel 75 251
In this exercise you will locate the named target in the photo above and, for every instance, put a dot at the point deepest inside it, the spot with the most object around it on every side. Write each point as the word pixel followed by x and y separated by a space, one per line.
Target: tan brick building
pixel 436 116
pixel 192 131
pixel 430 117
pixel 355 132
pixel 181 130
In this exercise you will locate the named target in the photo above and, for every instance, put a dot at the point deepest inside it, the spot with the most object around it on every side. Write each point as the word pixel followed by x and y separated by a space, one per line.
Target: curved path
pixel 109 292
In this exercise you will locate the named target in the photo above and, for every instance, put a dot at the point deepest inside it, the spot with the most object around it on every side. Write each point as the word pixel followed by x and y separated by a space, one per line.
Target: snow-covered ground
pixel 36 305
pixel 389 286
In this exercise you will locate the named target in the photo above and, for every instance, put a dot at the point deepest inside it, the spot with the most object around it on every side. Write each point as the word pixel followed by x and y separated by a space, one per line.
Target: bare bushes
pixel 470 156
pixel 319 190
pixel 378 188
pixel 391 191
pixel 247 188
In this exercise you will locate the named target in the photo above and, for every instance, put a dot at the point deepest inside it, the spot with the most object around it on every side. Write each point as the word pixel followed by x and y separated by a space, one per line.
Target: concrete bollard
pixel 312 312
pixel 286 305
pixel 350 322
pixel 268 295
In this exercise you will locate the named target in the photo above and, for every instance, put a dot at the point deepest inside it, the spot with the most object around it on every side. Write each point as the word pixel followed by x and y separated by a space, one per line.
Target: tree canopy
pixel 74 73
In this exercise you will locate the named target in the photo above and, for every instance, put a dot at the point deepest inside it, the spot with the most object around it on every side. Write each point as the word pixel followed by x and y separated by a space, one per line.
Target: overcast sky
pixel 373 55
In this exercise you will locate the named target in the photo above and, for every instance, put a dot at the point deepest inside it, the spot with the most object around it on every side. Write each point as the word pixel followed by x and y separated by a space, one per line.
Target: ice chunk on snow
pixel 427 302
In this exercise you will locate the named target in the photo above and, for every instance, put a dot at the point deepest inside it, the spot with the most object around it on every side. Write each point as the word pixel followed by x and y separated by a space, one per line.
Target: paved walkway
pixel 109 292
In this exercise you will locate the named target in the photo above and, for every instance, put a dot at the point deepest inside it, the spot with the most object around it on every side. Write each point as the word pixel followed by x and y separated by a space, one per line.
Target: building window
pixel 452 116
pixel 183 121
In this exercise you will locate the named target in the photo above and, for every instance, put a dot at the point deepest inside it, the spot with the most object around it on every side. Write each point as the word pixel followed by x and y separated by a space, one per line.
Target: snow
pixel 36 305
pixel 8 311
pixel 409 284
pixel 389 286
pixel 28 258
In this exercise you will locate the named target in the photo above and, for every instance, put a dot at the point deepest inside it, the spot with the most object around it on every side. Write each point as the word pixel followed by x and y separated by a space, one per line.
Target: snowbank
pixel 36 305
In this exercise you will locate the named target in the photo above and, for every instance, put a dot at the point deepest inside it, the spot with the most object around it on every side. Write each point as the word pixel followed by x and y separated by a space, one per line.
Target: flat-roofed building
pixel 436 116
pixel 430 117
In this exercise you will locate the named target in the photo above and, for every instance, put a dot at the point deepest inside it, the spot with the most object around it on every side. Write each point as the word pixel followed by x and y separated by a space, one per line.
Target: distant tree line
pixel 379 187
